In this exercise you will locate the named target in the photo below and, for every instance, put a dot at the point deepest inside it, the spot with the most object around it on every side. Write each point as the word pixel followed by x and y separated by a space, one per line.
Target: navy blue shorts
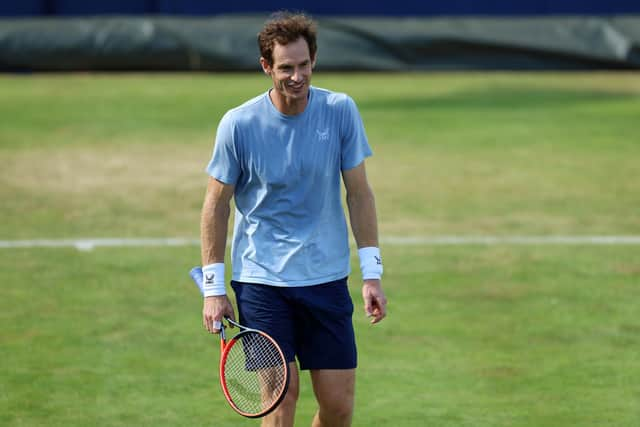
pixel 312 323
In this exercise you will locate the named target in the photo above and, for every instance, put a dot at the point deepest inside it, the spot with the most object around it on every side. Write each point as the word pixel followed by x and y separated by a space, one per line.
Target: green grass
pixel 476 335
pixel 487 153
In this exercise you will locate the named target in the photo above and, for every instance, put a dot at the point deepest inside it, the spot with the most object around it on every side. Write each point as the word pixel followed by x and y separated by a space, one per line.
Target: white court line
pixel 87 244
pixel 511 240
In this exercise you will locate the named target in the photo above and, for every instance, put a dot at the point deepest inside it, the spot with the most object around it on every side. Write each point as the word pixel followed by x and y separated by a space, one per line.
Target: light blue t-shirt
pixel 290 228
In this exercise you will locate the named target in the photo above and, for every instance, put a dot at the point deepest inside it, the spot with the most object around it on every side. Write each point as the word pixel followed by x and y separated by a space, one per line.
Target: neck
pixel 287 105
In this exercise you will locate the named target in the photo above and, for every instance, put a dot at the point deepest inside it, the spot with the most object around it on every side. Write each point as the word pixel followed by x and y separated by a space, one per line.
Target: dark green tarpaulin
pixel 228 43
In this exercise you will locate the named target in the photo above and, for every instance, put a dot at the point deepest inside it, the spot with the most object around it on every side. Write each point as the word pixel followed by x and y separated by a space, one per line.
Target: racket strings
pixel 255 373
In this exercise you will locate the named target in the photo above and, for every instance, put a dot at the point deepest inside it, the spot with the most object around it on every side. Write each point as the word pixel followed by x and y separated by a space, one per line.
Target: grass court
pixel 477 335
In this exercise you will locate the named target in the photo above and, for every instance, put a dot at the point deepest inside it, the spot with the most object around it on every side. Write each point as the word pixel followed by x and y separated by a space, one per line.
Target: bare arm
pixel 364 224
pixel 362 207
pixel 214 223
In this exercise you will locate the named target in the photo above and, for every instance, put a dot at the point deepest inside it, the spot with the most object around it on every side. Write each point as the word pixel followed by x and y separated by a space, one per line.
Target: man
pixel 281 156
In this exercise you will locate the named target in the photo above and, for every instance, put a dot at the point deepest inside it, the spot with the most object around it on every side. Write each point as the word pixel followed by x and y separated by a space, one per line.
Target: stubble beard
pixel 290 93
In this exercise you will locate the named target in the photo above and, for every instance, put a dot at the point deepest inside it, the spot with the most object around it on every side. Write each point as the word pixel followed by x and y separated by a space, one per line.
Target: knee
pixel 284 413
pixel 338 406
pixel 291 397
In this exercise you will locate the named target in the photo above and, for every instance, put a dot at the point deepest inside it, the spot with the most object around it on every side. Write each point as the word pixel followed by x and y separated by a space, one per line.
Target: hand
pixel 213 312
pixel 375 303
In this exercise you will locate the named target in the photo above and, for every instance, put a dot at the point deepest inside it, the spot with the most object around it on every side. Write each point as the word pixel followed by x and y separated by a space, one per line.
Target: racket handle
pixel 196 275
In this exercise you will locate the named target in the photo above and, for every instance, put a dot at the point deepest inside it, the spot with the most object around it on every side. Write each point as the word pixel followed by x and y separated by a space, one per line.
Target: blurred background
pixel 357 35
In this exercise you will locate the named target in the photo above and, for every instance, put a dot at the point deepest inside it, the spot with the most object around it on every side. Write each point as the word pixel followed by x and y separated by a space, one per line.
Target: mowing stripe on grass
pixel 89 244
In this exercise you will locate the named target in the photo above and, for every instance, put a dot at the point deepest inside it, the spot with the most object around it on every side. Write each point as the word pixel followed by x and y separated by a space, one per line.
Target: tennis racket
pixel 254 373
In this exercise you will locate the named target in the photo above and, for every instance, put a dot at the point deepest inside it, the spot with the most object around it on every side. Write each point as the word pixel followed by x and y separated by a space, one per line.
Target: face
pixel 291 70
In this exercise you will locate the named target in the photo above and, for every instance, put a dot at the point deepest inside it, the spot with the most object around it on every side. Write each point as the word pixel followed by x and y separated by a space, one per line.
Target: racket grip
pixel 196 275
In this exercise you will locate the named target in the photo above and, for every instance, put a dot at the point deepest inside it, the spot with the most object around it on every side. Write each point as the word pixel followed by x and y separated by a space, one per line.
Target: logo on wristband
pixel 208 279
pixel 378 260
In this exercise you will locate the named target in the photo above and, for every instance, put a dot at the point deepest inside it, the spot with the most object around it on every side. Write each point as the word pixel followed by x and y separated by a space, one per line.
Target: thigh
pixel 334 387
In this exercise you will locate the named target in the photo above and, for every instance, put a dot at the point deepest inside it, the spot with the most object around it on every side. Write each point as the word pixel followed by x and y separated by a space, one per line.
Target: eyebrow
pixel 289 65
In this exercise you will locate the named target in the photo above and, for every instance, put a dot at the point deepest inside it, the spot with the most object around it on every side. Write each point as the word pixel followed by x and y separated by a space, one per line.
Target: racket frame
pixel 197 277
pixel 225 347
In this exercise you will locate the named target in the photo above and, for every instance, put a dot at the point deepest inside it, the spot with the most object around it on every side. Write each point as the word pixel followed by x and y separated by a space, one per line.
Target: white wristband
pixel 370 263
pixel 213 280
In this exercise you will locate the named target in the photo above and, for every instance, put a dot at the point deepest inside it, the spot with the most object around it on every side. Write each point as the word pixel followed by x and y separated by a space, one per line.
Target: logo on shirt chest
pixel 323 135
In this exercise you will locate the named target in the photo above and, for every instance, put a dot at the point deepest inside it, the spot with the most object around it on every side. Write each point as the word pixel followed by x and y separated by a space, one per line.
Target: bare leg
pixel 334 390
pixel 284 414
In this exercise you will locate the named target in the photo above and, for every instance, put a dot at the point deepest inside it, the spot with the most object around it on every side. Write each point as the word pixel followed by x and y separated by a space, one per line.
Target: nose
pixel 297 75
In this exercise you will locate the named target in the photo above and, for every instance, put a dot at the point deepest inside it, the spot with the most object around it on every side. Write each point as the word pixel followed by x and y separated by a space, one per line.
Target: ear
pixel 313 60
pixel 266 67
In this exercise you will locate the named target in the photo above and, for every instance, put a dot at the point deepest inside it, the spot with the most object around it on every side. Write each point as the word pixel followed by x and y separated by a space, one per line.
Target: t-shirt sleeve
pixel 224 164
pixel 355 146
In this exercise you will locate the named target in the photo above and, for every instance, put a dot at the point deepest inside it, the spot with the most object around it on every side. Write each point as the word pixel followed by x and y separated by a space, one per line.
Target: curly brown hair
pixel 283 28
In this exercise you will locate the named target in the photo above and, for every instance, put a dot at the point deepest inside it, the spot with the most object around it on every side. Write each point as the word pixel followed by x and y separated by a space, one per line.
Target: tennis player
pixel 282 156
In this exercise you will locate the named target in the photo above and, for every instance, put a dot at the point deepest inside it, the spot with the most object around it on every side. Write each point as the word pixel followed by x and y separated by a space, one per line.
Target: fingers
pixel 375 302
pixel 378 311
pixel 230 314
pixel 212 325
pixel 368 309
pixel 216 309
